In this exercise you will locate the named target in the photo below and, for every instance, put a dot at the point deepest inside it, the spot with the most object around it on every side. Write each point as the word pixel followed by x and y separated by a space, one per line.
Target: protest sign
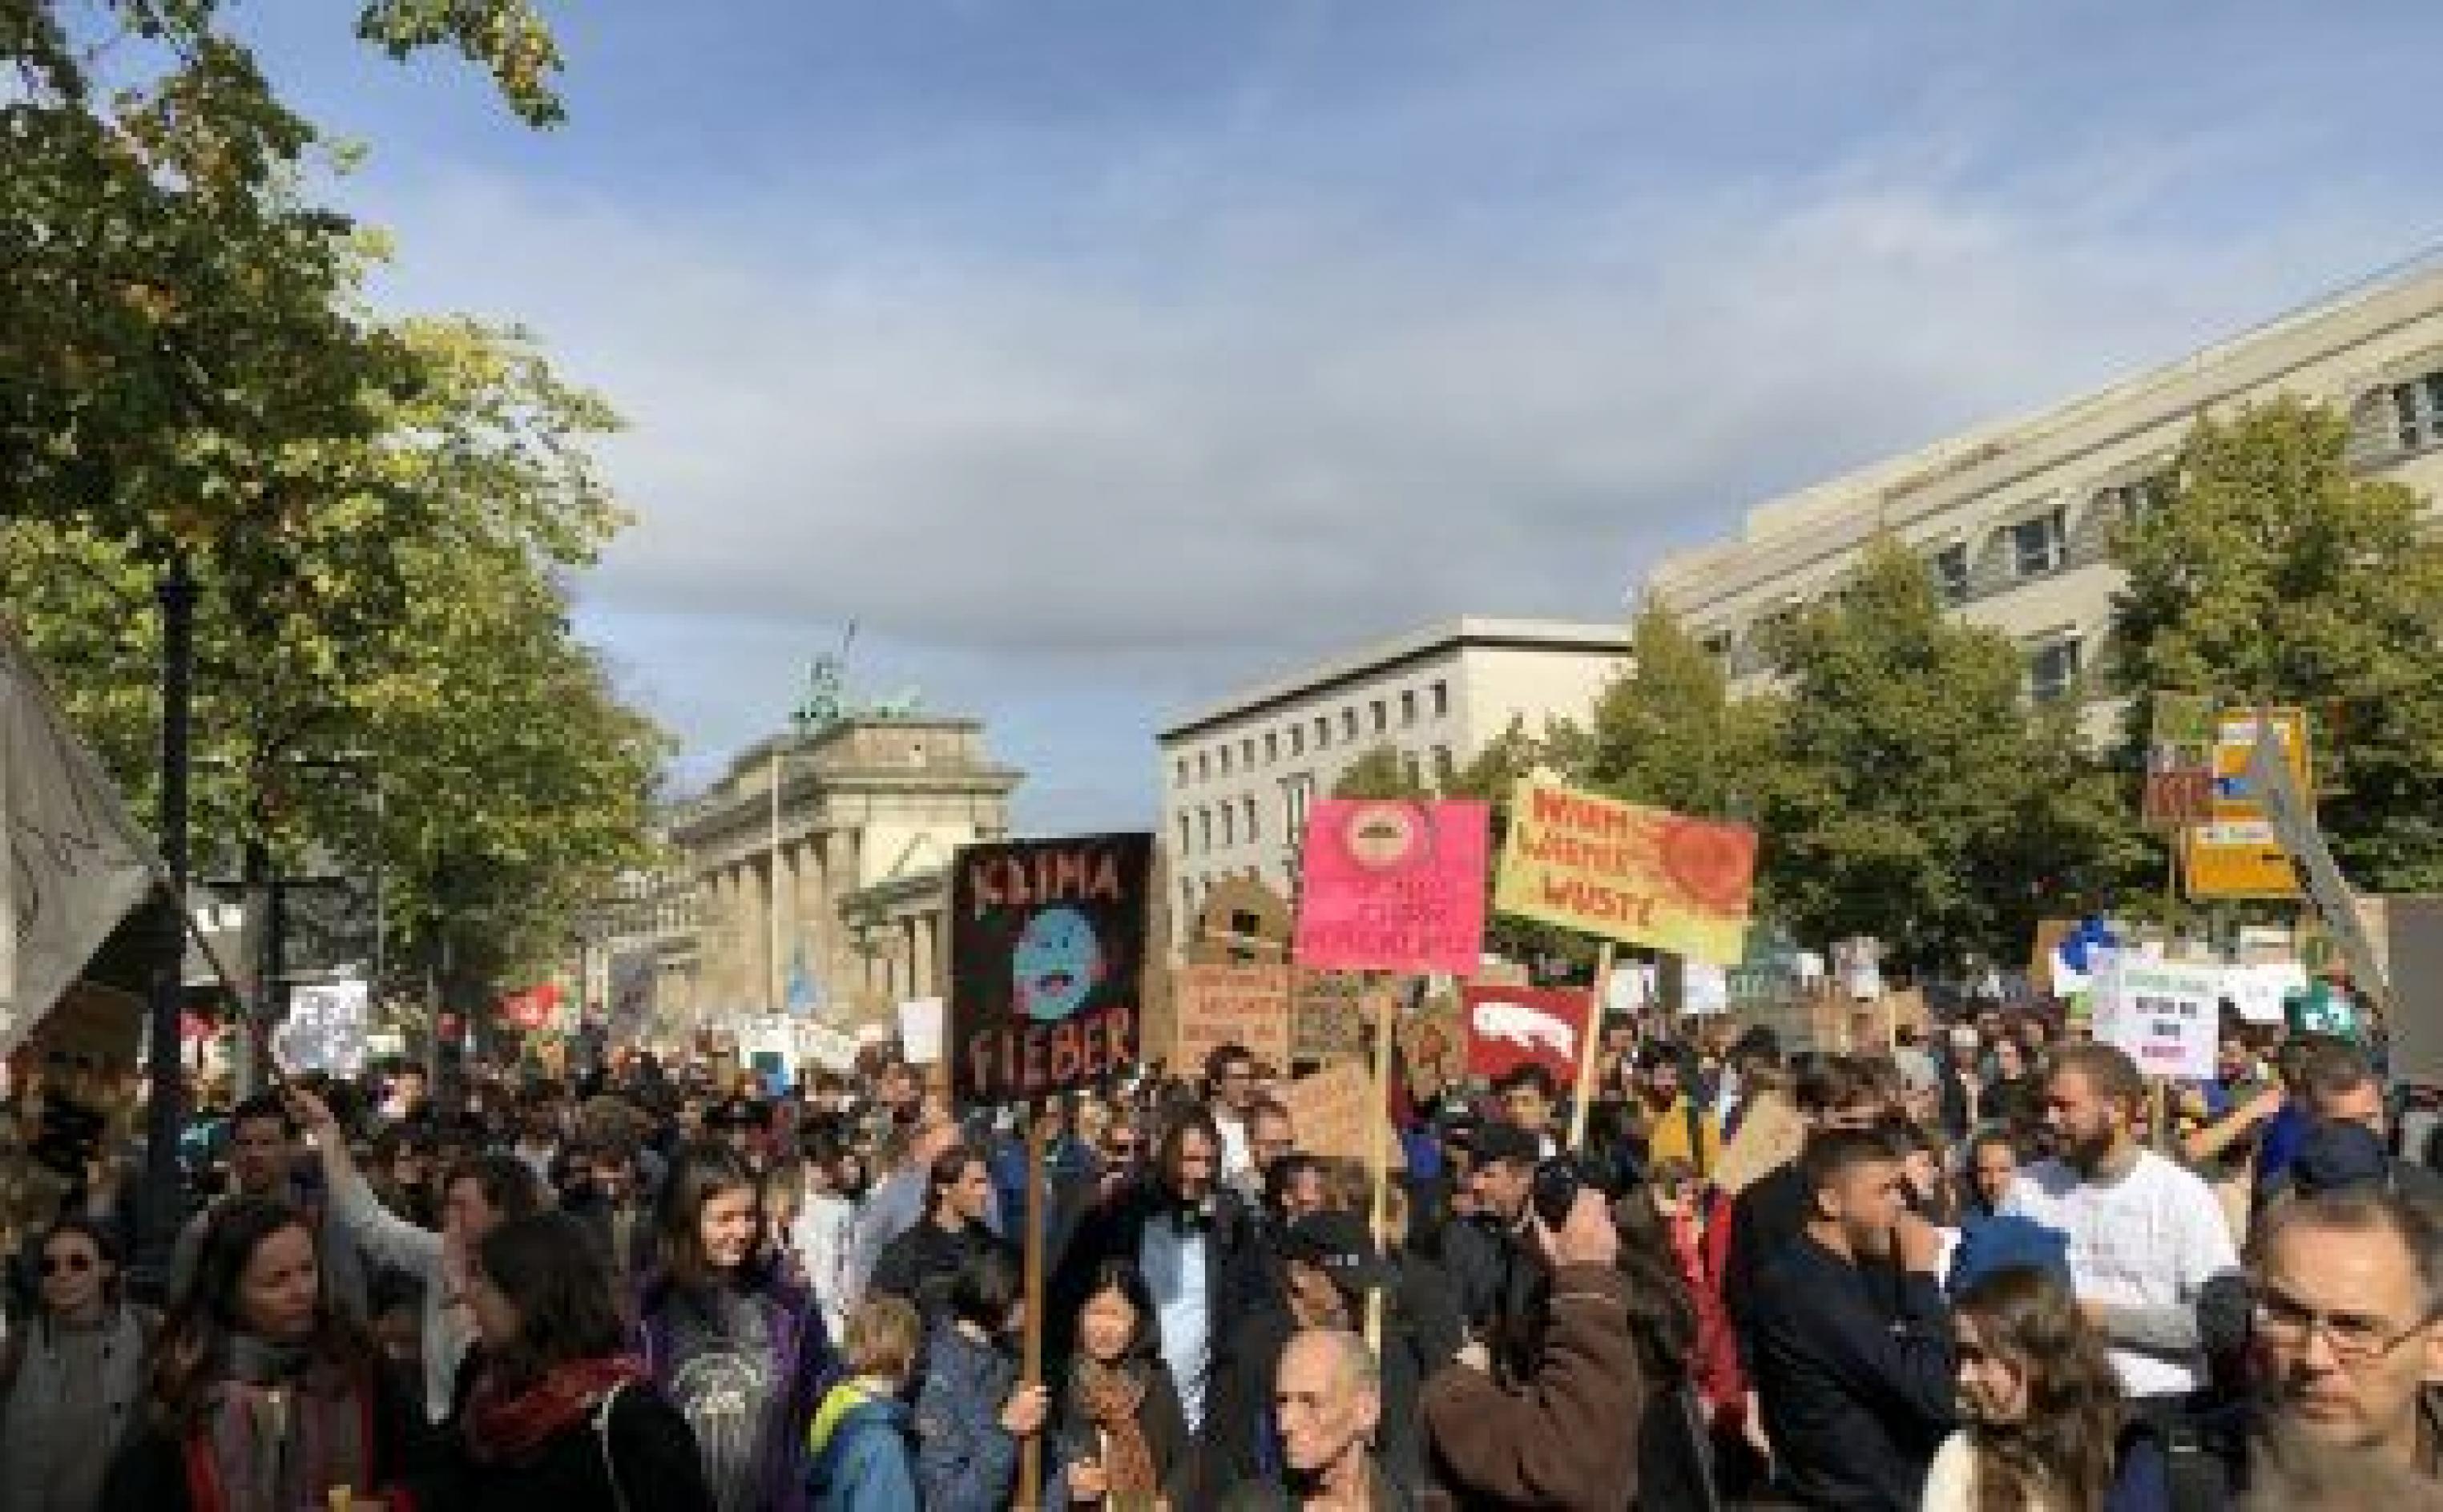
pixel 2166 1015
pixel 1245 1005
pixel 920 1030
pixel 1329 1016
pixel 2179 787
pixel 631 1010
pixel 325 1027
pixel 2257 990
pixel 1328 1110
pixel 1626 873
pixel 1509 1027
pixel 2236 854
pixel 1047 951
pixel 1433 1045
pixel 1393 885
pixel 1704 989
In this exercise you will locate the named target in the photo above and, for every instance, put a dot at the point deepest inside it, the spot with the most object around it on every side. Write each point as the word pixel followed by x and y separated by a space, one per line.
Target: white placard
pixel 921 1030
pixel 2166 1017
pixel 325 1028
pixel 1704 988
pixel 2257 990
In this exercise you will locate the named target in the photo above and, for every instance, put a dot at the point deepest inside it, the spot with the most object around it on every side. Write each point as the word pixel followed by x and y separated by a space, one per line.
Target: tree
pixel 413 621
pixel 1667 732
pixel 1381 772
pixel 1915 796
pixel 2272 573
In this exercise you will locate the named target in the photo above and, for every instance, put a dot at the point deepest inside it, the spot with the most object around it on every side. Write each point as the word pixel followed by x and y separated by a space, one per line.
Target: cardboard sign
pixel 1245 1005
pixel 1509 1027
pixel 1331 1016
pixel 2166 1017
pixel 920 1030
pixel 1047 951
pixel 1770 1136
pixel 1393 885
pixel 1641 876
pixel 1328 1110
pixel 2179 763
pixel 2237 854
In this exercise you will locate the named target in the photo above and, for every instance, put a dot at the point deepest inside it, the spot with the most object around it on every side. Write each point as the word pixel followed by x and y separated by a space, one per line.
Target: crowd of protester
pixel 1988 1267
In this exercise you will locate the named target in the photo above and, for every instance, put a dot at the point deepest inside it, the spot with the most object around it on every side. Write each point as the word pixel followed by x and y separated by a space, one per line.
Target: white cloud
pixel 1316 427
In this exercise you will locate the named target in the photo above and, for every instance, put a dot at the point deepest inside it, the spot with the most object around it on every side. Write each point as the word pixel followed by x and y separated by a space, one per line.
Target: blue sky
pixel 1100 358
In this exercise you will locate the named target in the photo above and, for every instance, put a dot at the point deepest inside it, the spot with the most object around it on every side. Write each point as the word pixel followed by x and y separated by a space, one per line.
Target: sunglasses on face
pixel 75 1263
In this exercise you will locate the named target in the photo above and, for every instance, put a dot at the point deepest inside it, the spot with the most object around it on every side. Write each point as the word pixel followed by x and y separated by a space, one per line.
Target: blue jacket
pixel 965 1460
pixel 858 1446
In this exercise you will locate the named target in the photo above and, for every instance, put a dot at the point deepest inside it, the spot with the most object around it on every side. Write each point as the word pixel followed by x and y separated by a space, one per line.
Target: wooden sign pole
pixel 1379 1154
pixel 1590 1047
pixel 1030 1454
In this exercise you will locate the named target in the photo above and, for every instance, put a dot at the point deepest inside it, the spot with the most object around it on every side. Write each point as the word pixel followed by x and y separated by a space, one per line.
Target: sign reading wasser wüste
pixel 1047 957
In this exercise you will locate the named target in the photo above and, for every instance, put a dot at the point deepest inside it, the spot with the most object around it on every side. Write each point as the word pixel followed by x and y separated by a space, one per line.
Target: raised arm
pixel 382 1234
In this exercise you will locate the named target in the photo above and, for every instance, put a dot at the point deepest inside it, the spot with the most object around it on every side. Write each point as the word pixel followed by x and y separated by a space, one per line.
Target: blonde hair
pixel 882 1338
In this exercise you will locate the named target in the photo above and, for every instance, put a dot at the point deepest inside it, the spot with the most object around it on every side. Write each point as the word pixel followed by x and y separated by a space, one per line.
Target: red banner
pixel 1508 1027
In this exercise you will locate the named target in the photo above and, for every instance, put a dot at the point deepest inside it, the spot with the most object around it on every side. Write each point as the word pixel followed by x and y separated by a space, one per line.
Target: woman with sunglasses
pixel 70 1380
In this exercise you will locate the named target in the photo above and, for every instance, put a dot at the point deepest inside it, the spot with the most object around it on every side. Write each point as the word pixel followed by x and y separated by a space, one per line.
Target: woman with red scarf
pixel 552 1416
pixel 260 1395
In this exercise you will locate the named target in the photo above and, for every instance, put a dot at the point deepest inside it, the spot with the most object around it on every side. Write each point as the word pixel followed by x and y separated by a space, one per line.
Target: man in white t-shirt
pixel 2145 1233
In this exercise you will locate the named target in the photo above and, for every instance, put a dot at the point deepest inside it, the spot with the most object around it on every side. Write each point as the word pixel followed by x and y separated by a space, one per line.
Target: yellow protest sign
pixel 2236 854
pixel 1643 876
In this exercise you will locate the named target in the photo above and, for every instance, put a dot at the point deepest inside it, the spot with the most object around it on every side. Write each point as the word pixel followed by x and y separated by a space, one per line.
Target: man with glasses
pixel 2349 1336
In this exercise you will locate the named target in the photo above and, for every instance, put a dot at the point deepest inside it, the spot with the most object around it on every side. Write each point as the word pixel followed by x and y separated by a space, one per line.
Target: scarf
pixel 1110 1397
pixel 505 1425
pixel 281 1428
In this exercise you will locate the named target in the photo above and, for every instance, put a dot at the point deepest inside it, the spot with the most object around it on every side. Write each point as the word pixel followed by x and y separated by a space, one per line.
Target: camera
pixel 1556 1184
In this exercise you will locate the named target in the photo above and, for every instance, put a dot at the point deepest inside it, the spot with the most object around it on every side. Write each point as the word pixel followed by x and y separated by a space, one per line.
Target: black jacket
pixel 1765 1218
pixel 1855 1402
pixel 1500 1284
pixel 1234 1287
pixel 648 1441
pixel 920 1264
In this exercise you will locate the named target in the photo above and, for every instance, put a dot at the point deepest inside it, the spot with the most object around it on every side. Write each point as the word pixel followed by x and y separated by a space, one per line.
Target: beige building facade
pixel 2015 520
pixel 1238 776
pixel 844 888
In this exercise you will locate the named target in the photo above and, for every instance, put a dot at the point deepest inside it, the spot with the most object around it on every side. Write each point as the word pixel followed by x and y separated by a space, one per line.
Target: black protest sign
pixel 1047 956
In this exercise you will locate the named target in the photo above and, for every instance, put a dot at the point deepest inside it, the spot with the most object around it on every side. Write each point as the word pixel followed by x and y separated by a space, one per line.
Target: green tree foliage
pixel 1913 795
pixel 413 621
pixel 1381 772
pixel 2272 572
pixel 1667 732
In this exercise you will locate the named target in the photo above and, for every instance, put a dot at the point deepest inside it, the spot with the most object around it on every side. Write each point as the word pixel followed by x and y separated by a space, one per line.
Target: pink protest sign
pixel 1393 885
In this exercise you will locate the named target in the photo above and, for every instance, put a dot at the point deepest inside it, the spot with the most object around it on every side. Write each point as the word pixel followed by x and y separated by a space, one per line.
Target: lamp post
pixel 165 1113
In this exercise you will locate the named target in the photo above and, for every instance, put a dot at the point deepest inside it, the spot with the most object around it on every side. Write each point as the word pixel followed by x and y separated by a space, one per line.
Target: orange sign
pixel 1245 1005
pixel 2236 854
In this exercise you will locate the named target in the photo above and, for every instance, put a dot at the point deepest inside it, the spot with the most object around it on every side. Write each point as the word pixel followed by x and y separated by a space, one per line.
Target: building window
pixel 1445 768
pixel 1951 572
pixel 2052 671
pixel 1203 764
pixel 1181 780
pixel 1441 700
pixel 1382 716
pixel 2418 412
pixel 1204 827
pixel 2039 545
pixel 1717 645
pixel 1349 724
pixel 2135 500
pixel 1225 760
pixel 1229 825
pixel 1408 706
pixel 1413 768
pixel 1322 731
pixel 1187 897
pixel 1297 791
pixel 1298 740
pixel 1254 831
pixel 1183 834
pixel 1271 747
pixel 1247 753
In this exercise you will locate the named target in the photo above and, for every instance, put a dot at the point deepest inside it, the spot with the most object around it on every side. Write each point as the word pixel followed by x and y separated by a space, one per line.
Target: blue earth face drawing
pixel 1056 962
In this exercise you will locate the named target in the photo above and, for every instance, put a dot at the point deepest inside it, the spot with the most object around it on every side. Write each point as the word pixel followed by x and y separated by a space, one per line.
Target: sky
pixel 1100 359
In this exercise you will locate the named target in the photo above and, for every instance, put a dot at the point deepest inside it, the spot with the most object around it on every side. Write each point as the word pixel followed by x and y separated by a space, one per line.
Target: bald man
pixel 1327 1401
